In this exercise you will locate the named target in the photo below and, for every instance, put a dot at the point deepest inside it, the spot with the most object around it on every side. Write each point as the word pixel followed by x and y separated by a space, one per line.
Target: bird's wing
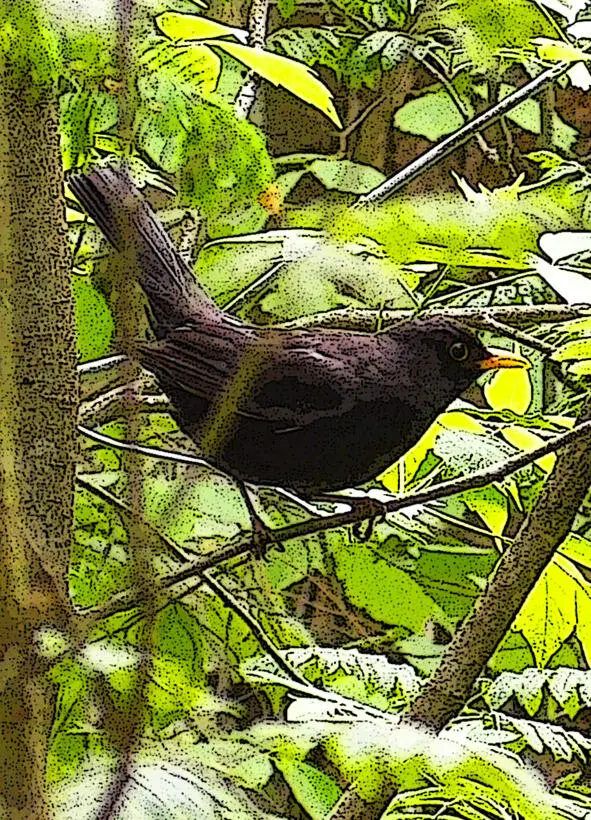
pixel 284 380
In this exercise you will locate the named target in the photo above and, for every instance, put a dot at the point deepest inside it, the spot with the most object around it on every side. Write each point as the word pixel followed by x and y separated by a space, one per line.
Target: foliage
pixel 226 731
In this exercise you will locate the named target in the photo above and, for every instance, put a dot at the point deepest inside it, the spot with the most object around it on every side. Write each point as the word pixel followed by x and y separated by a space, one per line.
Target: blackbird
pixel 308 410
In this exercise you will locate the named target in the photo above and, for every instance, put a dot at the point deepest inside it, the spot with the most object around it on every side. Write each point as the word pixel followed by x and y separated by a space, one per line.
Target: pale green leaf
pixel 295 77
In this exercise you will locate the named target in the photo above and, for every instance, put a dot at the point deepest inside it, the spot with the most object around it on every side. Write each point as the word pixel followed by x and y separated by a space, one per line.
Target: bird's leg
pixel 262 536
pixel 371 511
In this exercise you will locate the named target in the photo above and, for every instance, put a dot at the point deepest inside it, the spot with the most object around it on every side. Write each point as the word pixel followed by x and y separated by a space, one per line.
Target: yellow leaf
pixel 457 420
pixel 491 506
pixel 290 74
pixel 549 613
pixel 558 51
pixel 509 390
pixel 583 629
pixel 194 27
pixel 579 349
pixel 577 549
pixel 526 440
pixel 563 421
pixel 582 368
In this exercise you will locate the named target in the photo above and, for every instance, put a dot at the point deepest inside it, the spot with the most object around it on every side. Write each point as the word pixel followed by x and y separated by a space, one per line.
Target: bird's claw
pixel 263 538
pixel 373 511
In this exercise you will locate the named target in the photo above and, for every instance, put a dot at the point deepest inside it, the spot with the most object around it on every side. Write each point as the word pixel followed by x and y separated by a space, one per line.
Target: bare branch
pixel 366 319
pixel 547 525
pixel 446 146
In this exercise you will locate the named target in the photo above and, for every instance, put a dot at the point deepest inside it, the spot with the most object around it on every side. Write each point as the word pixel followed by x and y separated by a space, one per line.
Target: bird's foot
pixel 371 512
pixel 263 538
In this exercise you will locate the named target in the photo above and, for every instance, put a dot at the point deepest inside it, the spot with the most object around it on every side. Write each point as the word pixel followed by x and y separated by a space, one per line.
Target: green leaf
pixel 582 368
pixel 466 452
pixel 94 320
pixel 526 687
pixel 578 349
pixel 491 505
pixel 313 790
pixel 84 115
pixel 286 8
pixel 345 175
pixel 314 46
pixel 563 685
pixel 433 115
pixel 527 115
pixel 384 591
pixel 559 51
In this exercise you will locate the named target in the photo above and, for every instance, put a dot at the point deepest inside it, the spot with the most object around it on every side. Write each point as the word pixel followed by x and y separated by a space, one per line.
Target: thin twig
pixel 151 452
pixel 115 402
pixel 525 338
pixel 469 289
pixel 255 286
pixel 462 135
pixel 255 627
pixel 364 319
pixel 97 365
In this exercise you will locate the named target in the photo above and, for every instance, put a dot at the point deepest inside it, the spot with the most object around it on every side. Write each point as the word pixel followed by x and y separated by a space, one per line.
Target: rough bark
pixel 543 531
pixel 38 398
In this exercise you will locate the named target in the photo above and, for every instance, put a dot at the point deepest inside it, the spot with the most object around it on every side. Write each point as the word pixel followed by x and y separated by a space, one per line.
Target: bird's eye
pixel 459 351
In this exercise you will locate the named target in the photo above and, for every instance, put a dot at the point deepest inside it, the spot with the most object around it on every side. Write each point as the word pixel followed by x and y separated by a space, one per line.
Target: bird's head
pixel 445 351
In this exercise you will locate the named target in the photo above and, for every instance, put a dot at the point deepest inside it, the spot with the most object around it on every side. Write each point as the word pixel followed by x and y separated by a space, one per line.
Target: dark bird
pixel 308 410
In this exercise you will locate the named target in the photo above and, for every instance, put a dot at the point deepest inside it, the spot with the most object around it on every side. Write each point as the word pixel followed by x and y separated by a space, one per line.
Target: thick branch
pixel 545 528
pixel 366 319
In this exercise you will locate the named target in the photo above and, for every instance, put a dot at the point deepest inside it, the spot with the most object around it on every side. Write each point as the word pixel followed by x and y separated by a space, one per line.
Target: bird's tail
pixel 129 223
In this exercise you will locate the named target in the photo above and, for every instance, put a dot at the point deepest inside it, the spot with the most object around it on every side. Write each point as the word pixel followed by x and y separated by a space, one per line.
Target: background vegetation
pixel 150 666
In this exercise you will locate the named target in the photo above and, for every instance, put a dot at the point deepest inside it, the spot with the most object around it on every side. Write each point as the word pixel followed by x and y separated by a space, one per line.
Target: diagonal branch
pixel 445 147
pixel 547 525
pixel 130 598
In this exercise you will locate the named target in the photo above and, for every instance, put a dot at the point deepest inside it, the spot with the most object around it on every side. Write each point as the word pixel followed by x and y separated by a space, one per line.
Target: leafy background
pixel 261 208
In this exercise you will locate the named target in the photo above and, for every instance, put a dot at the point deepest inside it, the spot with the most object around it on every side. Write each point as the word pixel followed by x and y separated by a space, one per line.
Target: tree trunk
pixel 38 399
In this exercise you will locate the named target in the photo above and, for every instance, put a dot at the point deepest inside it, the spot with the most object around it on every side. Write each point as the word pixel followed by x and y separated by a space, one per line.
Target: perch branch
pixel 365 319
pixel 129 598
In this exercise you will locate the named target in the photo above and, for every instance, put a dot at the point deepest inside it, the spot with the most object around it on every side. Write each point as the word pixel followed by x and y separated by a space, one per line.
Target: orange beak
pixel 498 359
